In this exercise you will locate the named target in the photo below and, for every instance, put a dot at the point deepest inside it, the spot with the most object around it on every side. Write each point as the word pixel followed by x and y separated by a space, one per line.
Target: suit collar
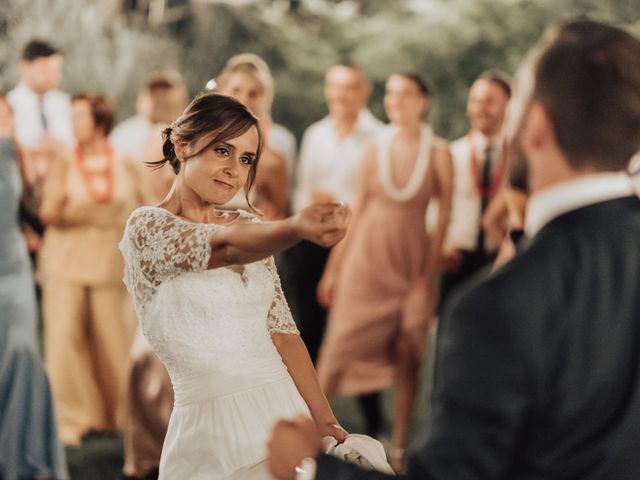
pixel 552 202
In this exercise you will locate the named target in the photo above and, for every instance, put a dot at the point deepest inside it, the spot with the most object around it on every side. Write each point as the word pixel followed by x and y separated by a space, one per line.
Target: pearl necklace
pixel 419 169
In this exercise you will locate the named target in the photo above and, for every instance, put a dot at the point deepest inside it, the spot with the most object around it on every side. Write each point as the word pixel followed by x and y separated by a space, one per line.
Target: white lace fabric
pixel 158 245
pixel 212 329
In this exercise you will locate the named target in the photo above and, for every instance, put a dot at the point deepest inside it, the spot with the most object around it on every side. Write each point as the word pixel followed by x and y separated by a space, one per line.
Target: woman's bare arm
pixel 322 224
pixel 296 358
pixel 443 170
pixel 271 180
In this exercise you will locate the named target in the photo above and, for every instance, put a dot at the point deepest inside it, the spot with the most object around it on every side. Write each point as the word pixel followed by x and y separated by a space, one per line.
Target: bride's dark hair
pixel 212 114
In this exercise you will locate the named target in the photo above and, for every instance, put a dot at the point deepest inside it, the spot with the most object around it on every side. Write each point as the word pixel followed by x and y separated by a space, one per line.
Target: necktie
pixel 484 198
pixel 43 117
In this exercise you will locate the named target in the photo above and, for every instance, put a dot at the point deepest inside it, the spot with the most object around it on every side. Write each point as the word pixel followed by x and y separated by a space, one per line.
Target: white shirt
pixel 564 197
pixel 131 135
pixel 331 164
pixel 56 107
pixel 284 142
pixel 465 221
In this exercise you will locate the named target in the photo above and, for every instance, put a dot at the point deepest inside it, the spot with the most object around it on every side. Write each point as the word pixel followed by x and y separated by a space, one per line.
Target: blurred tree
pixel 99 56
pixel 449 42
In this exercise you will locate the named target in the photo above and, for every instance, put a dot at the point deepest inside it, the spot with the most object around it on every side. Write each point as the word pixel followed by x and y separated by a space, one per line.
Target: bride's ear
pixel 182 151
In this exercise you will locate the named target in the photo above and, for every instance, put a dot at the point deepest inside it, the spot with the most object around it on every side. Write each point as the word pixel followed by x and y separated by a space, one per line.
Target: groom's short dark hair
pixel 587 74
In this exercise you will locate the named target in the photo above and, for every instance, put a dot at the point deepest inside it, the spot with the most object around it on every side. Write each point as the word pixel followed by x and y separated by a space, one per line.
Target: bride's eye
pixel 246 160
pixel 222 151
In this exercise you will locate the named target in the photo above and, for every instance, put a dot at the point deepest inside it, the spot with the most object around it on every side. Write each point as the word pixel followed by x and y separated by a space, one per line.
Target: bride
pixel 209 299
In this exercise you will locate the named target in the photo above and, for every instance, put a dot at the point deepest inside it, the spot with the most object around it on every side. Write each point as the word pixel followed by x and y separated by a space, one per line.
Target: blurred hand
pixel 324 224
pixel 325 289
pixel 51 145
pixel 506 252
pixel 320 196
pixel 334 430
pixel 450 259
pixel 419 305
pixel 6 129
pixel 292 441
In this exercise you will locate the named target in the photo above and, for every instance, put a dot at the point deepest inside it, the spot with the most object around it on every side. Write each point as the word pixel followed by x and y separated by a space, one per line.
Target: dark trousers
pixel 301 268
pixel 472 262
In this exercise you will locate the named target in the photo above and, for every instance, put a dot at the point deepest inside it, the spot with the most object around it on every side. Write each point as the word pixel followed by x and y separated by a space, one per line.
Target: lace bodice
pixel 198 319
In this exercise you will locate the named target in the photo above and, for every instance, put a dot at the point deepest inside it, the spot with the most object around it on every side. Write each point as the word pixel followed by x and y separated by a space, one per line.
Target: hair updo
pixel 210 114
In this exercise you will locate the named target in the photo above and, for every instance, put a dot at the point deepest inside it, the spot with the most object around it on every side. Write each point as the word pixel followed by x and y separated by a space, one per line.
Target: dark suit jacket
pixel 538 366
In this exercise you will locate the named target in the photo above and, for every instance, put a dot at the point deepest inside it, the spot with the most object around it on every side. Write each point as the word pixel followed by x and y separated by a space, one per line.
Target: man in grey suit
pixel 538 366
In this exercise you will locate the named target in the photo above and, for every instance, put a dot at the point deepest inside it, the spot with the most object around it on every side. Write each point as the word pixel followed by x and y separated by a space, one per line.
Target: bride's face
pixel 216 174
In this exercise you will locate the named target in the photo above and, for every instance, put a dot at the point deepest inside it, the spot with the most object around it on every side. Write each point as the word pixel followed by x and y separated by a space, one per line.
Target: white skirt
pixel 214 438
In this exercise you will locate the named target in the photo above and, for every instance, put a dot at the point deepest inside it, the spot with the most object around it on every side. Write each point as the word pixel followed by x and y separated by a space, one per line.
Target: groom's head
pixel 576 107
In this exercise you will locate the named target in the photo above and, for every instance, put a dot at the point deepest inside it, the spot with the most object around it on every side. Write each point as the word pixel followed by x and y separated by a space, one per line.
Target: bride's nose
pixel 231 169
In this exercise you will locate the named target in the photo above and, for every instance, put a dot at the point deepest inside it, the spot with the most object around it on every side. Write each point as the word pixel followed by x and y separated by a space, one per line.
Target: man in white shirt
pixel 40 110
pixel 330 155
pixel 479 160
pixel 42 118
pixel 160 101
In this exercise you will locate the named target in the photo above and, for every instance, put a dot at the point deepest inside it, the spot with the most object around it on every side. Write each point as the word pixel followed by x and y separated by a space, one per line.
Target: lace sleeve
pixel 279 319
pixel 158 246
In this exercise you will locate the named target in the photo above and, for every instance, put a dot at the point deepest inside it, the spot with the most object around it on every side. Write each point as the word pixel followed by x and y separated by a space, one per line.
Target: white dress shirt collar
pixel 364 123
pixel 556 200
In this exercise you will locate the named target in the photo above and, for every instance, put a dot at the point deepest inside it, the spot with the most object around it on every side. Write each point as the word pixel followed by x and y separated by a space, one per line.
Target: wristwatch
pixel 307 469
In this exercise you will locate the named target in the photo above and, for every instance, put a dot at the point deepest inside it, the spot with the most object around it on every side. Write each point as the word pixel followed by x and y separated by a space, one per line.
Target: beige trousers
pixel 87 342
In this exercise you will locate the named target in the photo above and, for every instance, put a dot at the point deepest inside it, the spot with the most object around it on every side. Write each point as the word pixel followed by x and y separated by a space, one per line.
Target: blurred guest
pixel 380 281
pixel 247 78
pixel 39 108
pixel 42 113
pixel 153 106
pixel 330 159
pixel 537 366
pixel 28 435
pixel 283 141
pixel 129 136
pixel 88 194
pixel 149 394
pixel 169 97
pixel 479 161
pixel 506 216
pixel 328 166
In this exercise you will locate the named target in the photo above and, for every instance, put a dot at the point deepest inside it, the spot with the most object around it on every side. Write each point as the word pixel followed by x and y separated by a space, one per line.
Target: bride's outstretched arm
pixel 296 358
pixel 323 224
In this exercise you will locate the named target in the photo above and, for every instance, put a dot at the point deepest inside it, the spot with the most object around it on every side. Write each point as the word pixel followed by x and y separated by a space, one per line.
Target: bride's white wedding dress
pixel 211 328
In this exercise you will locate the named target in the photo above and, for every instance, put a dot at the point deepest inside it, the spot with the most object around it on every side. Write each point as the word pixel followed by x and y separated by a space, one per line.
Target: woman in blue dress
pixel 28 435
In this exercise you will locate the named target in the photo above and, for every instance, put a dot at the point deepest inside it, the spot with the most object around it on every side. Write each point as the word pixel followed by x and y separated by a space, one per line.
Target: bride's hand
pixel 324 224
pixel 332 429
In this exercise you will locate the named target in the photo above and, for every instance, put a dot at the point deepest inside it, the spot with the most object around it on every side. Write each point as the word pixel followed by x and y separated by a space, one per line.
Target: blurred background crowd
pixel 89 87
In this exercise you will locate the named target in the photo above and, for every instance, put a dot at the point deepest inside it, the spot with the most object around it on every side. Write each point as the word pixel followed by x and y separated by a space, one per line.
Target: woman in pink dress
pixel 380 281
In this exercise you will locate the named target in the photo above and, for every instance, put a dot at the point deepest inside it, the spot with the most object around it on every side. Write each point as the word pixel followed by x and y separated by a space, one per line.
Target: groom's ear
pixel 538 131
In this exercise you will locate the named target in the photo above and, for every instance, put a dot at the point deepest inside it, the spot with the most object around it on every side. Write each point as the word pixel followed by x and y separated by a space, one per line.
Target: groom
pixel 538 366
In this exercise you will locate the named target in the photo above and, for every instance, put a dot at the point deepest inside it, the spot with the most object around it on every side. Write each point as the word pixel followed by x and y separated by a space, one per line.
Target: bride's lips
pixel 224 184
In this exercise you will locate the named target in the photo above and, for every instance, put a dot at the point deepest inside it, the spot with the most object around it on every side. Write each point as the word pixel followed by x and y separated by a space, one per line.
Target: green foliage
pixel 449 42
pixel 100 56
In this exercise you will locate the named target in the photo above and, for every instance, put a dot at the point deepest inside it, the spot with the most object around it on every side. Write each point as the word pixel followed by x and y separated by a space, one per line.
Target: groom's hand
pixel 291 442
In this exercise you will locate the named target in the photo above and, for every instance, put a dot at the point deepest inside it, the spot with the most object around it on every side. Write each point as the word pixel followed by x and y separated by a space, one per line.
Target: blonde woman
pixel 247 78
